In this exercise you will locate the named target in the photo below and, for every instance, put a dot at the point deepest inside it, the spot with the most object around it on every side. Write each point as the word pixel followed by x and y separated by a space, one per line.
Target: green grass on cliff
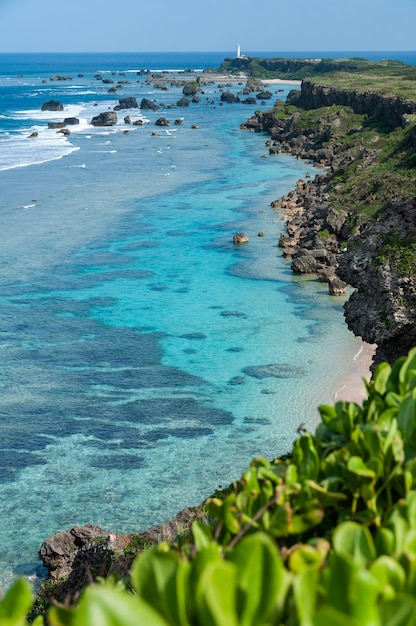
pixel 386 77
pixel 382 169
pixel 380 164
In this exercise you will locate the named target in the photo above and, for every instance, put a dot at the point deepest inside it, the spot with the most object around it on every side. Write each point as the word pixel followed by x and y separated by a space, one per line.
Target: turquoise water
pixel 145 358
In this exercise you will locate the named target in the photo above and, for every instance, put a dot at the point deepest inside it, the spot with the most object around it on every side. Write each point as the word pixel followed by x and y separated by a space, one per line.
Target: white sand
pixel 351 386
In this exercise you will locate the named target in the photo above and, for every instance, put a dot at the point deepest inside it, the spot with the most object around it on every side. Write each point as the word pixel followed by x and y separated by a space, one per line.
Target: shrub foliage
pixel 326 537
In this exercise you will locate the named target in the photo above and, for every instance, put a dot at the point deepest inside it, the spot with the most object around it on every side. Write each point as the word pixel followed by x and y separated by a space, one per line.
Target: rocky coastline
pixel 321 240
pixel 335 243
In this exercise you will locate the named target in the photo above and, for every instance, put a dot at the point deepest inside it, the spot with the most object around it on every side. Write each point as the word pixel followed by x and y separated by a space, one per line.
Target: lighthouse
pixel 238 51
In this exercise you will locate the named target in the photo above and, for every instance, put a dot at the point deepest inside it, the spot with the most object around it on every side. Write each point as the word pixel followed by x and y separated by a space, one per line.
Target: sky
pixel 214 25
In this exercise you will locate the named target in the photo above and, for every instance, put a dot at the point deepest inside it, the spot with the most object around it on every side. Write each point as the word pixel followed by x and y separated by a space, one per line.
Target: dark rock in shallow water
pixel 71 121
pixel 56 124
pixel 228 96
pixel 52 105
pixel 237 380
pixel 194 336
pixel 275 370
pixel 183 102
pixel 126 103
pixel 232 314
pixel 239 238
pixel 147 104
pixel 108 118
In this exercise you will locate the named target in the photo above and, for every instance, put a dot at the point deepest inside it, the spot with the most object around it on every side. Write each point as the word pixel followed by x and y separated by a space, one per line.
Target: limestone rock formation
pixel 240 238
pixel 108 118
pixel 126 103
pixel 228 96
pixel 52 105
pixel 149 105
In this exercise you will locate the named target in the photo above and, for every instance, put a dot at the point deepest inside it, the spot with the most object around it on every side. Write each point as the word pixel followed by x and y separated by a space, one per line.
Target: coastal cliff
pixel 390 110
pixel 355 222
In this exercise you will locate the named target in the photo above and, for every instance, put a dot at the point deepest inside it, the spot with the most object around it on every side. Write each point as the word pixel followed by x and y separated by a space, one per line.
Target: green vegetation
pixel 399 252
pixel 380 160
pixel 326 537
pixel 389 78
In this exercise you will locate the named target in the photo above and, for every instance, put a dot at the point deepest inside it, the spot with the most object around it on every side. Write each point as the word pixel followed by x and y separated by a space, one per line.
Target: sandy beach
pixel 351 387
pixel 281 81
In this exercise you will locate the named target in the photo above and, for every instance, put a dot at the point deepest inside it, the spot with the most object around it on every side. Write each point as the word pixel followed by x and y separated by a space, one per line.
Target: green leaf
pixel 328 616
pixel 306 457
pixel 101 606
pixel 380 378
pixel 385 542
pixel 390 575
pixel 398 612
pixel 305 589
pixel 261 579
pixel 16 603
pixel 407 370
pixel 216 595
pixel 355 542
pixel 306 520
pixel 407 414
pixel 357 466
pixel 202 535
pixel 304 557
pixel 161 579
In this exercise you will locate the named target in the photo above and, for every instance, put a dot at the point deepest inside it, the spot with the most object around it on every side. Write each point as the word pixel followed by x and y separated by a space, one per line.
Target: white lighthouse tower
pixel 238 51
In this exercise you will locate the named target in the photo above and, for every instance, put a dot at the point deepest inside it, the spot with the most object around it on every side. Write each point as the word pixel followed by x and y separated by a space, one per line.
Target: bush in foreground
pixel 324 538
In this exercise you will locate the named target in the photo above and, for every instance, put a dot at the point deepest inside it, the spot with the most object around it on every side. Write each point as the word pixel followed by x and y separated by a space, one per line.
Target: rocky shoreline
pixel 321 240
pixel 324 241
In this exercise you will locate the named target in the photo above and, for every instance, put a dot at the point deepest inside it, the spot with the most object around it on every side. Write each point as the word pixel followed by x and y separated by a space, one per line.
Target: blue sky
pixel 214 25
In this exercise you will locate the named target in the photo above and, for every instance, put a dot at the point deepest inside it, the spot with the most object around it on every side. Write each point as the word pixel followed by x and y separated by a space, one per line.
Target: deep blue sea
pixel 145 359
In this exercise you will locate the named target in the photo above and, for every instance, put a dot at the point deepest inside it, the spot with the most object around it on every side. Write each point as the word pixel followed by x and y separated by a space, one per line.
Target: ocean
pixel 146 359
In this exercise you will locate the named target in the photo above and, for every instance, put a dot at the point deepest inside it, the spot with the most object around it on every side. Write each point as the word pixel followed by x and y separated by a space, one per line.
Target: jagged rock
pixel 382 309
pixel 147 104
pixel 183 102
pixel 52 105
pixel 196 99
pixel 336 286
pixel 57 553
pixel 228 96
pixel 264 95
pixel 108 118
pixel 190 88
pixel 71 121
pixel 126 103
pixel 64 131
pixel 162 121
pixel 138 122
pixel 127 119
pixel 178 121
pixel 304 264
pixel 33 135
pixel 252 85
pixel 240 238
pixel 56 124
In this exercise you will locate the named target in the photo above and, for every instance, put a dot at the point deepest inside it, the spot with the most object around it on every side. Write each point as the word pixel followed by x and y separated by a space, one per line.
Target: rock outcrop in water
pixel 52 105
pixel 108 118
pixel 78 555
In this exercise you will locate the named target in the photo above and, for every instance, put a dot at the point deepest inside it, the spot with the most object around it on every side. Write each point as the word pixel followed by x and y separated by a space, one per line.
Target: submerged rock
pixel 275 370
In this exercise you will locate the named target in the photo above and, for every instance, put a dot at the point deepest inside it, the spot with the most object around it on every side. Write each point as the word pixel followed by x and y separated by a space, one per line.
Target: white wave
pixel 21 150
pixel 82 165
pixel 28 206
